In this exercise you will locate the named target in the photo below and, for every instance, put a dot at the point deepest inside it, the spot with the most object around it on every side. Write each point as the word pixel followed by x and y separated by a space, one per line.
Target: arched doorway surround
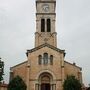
pixel 45 81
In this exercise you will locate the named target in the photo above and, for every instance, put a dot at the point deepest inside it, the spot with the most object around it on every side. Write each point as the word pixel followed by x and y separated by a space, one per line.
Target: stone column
pixel 36 39
pixel 28 74
pixel 55 39
pixel 62 71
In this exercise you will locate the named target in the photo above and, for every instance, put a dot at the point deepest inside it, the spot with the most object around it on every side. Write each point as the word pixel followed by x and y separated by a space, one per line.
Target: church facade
pixel 45 68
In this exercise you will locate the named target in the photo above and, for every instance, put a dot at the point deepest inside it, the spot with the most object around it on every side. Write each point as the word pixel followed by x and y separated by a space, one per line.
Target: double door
pixel 45 86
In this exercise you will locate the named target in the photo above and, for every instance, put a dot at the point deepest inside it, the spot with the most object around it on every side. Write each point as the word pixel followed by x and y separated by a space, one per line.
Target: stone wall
pixel 3 87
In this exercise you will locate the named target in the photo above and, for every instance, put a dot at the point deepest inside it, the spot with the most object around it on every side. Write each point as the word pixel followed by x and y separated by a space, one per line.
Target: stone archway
pixel 45 82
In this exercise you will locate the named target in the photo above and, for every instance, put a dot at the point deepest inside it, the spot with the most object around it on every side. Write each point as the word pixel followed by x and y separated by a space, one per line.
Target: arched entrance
pixel 45 81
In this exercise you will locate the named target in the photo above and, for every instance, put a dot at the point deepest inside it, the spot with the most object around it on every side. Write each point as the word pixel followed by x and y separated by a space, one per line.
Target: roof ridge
pixel 43 45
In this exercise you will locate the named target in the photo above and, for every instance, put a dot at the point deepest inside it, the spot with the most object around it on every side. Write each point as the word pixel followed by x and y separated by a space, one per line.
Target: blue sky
pixel 17 28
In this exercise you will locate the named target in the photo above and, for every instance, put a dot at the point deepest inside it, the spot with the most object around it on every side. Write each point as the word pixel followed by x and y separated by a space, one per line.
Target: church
pixel 45 67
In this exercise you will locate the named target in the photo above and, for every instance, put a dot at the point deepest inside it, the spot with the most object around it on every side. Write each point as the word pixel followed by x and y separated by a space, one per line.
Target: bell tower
pixel 45 22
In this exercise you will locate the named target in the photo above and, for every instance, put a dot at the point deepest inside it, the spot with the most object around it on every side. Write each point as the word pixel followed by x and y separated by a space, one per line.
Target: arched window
pixel 42 25
pixel 39 59
pixel 48 25
pixel 51 59
pixel 45 58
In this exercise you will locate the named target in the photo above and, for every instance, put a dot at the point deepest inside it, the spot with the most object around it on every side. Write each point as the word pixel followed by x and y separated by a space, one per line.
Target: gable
pixel 19 65
pixel 50 47
pixel 72 65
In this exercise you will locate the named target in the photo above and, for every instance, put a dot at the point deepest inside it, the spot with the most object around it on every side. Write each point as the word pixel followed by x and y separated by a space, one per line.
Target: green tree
pixel 1 70
pixel 71 83
pixel 17 84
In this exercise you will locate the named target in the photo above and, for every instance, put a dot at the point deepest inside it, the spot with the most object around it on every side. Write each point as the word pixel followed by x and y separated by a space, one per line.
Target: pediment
pixel 45 45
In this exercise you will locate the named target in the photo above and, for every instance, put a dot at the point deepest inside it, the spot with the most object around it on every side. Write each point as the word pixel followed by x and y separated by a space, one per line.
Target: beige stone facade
pixel 3 86
pixel 45 67
pixel 32 72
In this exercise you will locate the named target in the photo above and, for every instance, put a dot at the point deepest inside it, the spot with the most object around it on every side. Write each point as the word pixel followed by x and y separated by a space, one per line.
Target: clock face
pixel 46 7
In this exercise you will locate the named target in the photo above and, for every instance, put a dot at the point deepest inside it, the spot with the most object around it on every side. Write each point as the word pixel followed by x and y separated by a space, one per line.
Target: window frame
pixel 48 25
pixel 42 25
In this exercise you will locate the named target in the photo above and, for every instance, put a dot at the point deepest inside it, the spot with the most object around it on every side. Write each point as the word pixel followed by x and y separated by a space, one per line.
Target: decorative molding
pixel 32 79
pixel 45 45
pixel 54 33
pixel 46 71
pixel 36 33
pixel 62 66
pixel 73 65
pixel 18 64
pixel 45 2
pixel 58 79
pixel 28 65
pixel 45 13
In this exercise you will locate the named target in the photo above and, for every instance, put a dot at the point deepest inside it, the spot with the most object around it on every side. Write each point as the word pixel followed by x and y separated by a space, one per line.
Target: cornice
pixel 18 64
pixel 46 45
pixel 45 13
pixel 45 1
pixel 73 65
